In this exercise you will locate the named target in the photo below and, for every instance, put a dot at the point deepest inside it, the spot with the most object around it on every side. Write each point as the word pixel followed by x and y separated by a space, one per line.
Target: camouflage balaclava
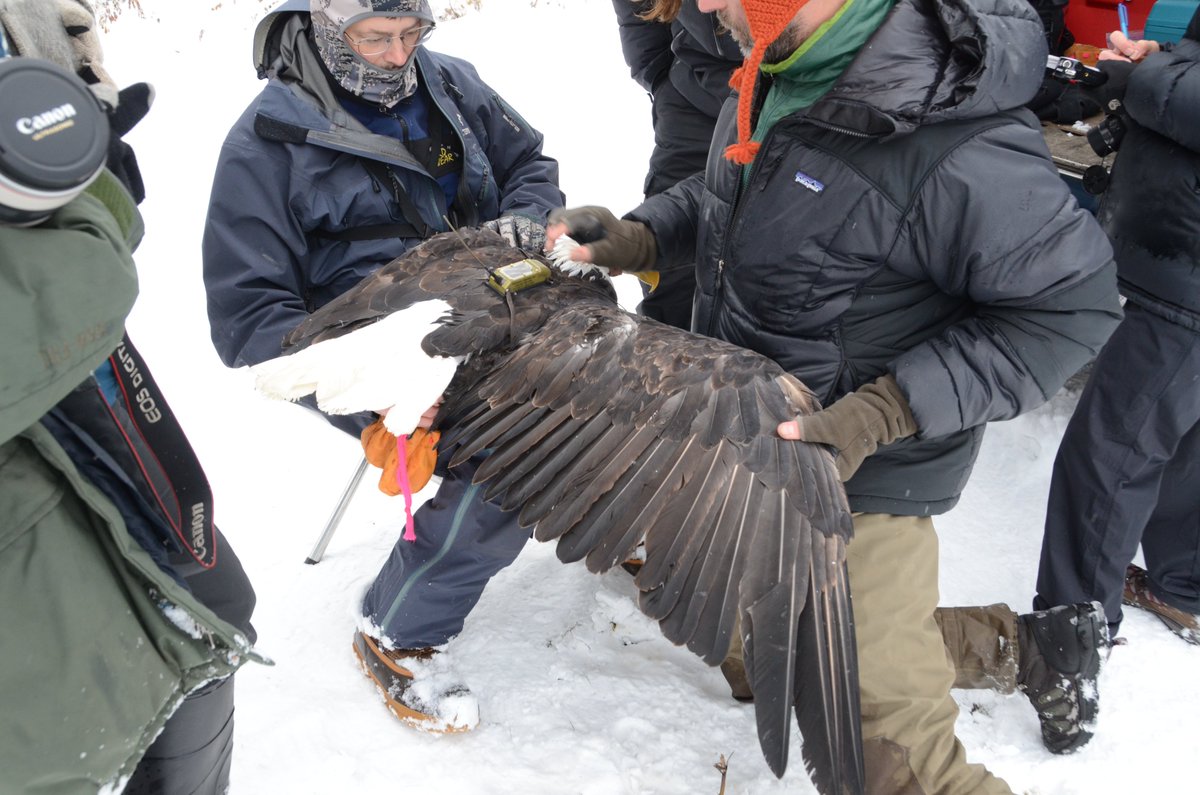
pixel 330 18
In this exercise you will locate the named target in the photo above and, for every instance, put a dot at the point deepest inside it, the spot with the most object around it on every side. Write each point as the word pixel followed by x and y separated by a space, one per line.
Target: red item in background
pixel 1090 21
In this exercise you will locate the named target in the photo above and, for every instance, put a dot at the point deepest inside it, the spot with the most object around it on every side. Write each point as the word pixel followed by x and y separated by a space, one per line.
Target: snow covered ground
pixel 578 692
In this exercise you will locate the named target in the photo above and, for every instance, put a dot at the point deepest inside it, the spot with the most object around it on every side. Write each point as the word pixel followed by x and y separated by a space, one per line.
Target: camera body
pixel 54 136
pixel 1106 85
pixel 1106 137
pixel 1070 70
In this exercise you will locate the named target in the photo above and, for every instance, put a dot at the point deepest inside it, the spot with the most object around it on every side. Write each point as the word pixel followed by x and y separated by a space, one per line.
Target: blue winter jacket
pixel 291 178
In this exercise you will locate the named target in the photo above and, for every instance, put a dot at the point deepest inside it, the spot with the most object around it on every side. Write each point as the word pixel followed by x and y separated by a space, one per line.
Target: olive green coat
pixel 98 646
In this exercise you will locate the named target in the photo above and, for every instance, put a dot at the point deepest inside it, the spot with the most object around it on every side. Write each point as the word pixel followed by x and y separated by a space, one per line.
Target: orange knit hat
pixel 767 19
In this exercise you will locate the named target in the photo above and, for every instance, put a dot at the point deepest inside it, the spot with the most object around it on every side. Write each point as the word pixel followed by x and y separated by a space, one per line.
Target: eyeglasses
pixel 377 45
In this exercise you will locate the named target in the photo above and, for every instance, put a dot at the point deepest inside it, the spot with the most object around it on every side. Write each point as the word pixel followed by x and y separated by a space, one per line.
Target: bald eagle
pixel 607 430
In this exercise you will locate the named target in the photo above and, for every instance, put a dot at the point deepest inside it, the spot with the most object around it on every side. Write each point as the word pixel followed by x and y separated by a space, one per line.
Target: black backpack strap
pixel 375 232
pixel 412 226
pixel 384 173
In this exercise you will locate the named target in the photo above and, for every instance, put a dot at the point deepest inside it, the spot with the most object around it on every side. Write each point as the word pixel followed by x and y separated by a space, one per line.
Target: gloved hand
pixel 379 446
pixel 134 103
pixel 613 243
pixel 1063 103
pixel 520 231
pixel 855 425
pixel 1118 81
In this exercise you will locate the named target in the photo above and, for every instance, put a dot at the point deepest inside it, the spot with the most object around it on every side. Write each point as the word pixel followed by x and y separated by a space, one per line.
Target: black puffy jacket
pixel 910 222
pixel 1151 209
pixel 692 52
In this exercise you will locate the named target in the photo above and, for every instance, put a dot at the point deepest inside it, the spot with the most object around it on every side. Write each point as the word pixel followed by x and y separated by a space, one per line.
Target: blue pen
pixel 1123 15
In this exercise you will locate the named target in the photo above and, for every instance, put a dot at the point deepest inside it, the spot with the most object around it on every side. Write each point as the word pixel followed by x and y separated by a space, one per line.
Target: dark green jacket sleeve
pixel 66 287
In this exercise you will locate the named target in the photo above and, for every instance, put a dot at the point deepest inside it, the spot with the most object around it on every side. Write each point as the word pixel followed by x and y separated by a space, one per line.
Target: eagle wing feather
pixel 728 511
pixel 606 430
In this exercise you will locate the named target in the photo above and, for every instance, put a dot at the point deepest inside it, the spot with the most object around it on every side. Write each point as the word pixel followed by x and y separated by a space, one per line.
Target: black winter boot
pixel 1059 652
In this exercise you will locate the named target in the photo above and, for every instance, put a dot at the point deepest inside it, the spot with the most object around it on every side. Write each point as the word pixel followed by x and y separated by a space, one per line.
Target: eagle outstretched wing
pixel 607 430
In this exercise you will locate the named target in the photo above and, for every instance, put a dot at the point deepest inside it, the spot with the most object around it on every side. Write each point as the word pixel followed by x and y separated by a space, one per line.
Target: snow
pixel 578 692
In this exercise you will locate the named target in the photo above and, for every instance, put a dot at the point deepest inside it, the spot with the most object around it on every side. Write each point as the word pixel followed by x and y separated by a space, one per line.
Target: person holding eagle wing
pixel 868 302
pixel 880 217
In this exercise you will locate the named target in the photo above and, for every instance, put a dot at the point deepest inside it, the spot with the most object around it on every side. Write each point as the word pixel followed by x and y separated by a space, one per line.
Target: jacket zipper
pixel 719 281
pixel 738 191
pixel 824 125
pixel 738 195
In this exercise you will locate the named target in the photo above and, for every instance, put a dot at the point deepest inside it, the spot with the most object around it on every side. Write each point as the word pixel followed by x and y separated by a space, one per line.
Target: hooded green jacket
pixel 99 646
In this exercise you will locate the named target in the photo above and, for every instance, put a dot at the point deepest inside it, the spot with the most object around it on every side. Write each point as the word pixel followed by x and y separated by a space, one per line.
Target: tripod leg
pixel 318 551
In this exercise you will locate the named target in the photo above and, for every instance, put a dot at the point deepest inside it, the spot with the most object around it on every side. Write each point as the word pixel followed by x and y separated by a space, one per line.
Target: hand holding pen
pixel 1123 48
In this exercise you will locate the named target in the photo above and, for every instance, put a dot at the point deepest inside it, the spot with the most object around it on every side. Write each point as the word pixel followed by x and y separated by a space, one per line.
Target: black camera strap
pixel 164 455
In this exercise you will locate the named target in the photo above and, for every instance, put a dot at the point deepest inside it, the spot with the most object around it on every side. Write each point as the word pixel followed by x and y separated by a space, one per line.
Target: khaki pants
pixel 906 670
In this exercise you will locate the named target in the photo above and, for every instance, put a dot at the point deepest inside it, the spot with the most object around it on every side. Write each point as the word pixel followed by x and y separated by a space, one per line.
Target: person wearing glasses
pixel 363 143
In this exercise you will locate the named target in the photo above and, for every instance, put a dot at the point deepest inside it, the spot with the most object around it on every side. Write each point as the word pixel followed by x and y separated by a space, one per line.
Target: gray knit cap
pixel 330 18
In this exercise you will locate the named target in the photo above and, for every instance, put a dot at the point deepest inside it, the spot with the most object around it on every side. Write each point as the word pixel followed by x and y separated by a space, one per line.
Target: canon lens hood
pixel 53 139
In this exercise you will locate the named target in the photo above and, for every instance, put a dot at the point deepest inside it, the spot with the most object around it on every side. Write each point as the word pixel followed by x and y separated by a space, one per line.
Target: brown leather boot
pixel 1138 594
pixel 417 700
pixel 734 668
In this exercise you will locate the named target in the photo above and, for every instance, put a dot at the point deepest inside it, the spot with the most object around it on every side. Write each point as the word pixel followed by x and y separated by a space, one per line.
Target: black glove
pixel 1074 104
pixel 1063 103
pixel 618 244
pixel 520 231
pixel 132 106
pixel 133 103
pixel 1118 81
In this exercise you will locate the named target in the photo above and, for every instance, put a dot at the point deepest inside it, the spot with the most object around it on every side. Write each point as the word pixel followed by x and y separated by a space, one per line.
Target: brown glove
pixel 855 425
pixel 379 446
pixel 622 245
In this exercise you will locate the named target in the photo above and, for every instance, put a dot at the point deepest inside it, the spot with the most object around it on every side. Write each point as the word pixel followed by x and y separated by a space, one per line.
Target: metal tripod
pixel 335 518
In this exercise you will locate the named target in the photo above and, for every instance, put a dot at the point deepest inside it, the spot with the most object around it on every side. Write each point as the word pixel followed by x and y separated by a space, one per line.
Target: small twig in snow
pixel 723 766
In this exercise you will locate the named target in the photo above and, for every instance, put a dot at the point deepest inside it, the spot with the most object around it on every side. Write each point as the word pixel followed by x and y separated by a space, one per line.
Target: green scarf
pixel 812 69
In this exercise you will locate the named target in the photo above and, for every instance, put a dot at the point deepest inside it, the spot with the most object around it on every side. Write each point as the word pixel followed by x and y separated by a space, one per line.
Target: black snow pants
pixel 193 754
pixel 1128 471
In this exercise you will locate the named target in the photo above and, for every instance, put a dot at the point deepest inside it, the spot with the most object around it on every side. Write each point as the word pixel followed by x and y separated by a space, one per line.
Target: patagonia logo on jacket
pixel 815 185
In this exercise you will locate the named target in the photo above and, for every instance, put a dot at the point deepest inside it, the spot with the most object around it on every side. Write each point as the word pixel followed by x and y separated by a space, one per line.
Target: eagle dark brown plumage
pixel 607 429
